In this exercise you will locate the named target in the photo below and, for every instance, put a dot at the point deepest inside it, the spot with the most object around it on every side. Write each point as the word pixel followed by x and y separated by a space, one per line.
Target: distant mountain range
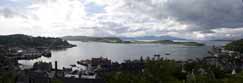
pixel 223 40
pixel 94 39
pixel 136 40
pixel 152 38
pixel 118 39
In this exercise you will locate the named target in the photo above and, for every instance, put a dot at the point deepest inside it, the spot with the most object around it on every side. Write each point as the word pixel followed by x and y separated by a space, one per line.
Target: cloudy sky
pixel 191 19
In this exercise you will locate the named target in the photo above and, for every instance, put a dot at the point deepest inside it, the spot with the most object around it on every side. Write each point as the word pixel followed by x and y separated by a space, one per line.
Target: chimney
pixel 55 69
pixel 55 65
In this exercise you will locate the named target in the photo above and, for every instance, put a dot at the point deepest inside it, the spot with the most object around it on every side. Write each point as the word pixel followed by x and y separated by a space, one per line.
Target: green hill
pixel 235 46
pixel 20 40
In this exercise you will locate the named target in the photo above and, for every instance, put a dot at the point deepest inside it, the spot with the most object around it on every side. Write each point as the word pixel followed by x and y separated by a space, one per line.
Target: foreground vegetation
pixel 170 71
pixel 8 68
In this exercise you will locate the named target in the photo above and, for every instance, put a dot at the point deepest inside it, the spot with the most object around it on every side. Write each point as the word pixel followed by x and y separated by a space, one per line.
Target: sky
pixel 189 19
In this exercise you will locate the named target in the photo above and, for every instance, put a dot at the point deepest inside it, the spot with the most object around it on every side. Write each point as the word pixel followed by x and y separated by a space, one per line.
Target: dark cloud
pixel 207 31
pixel 208 13
pixel 204 14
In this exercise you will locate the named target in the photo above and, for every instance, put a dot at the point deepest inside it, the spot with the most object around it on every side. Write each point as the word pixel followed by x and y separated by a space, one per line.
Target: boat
pixel 73 65
pixel 46 53
pixel 167 54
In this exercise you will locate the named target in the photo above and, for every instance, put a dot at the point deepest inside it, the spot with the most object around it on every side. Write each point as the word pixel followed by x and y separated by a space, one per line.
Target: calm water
pixel 120 52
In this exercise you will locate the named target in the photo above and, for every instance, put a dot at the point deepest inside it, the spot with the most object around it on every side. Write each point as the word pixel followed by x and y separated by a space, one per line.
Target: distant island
pixel 25 41
pixel 222 40
pixel 152 38
pixel 166 42
pixel 128 40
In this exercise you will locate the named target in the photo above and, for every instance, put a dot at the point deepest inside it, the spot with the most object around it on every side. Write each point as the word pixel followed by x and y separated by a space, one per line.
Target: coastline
pixel 154 42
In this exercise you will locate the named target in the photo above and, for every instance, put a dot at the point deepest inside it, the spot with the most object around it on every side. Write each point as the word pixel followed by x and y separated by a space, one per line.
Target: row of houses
pixel 43 72
pixel 26 53
pixel 229 61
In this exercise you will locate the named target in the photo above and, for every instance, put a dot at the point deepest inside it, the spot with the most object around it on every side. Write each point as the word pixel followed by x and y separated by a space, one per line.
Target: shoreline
pixel 168 42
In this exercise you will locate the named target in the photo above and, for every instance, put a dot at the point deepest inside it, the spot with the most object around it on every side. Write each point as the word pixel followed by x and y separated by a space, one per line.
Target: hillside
pixel 235 46
pixel 20 40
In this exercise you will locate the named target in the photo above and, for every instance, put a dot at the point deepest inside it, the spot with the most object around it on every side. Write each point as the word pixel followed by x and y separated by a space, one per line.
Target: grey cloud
pixel 207 31
pixel 207 14
pixel 117 27
pixel 151 17
pixel 11 13
pixel 7 13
